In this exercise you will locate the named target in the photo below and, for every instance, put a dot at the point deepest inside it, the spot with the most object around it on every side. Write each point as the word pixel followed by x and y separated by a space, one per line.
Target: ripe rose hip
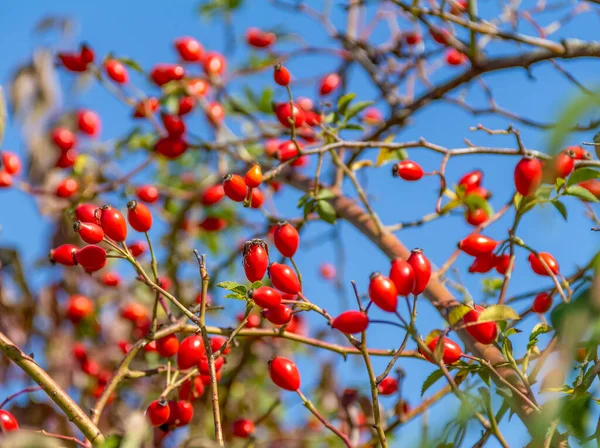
pixel 287 150
pixel 197 87
pixel 455 57
pixel 64 254
pixel 542 303
pixel 189 49
pixel 402 275
pixel 253 177
pixel 265 296
pixel 528 175
pixel 255 259
pixel 243 428
pixel 167 346
pixel 10 162
pixel 278 315
pixel 214 63
pixel 67 188
pixel 147 193
pixel 351 322
pixel 116 71
pixel 502 264
pixel 283 112
pixel 183 412
pixel 158 412
pixel 137 248
pixel 215 113
pixel 284 278
pixel 578 152
pixel 252 322
pixel 383 293
pixel 281 75
pixel 191 352
pixel 407 170
pixel 476 217
pixel 451 350
pixel 86 213
pixel 88 122
pixel 234 187
pixel 204 368
pixel 592 185
pixel 564 164
pixel 286 239
pixel 113 223
pixel 372 116
pixel 257 199
pixel 174 125
pixel 216 342
pixel 329 83
pixel 477 245
pixel 327 271
pixel 134 312
pixel 440 35
pixel 79 308
pixel 89 232
pixel 66 159
pixel 73 62
pixel 189 393
pixel 110 279
pixel 79 351
pixel 260 39
pixel 471 180
pixel 8 422
pixel 91 258
pixel 422 269
pixel 388 386
pixel 171 147
pixel 483 263
pixel 212 195
pixel 146 107
pixel 212 224
pixel 284 373
pixel 139 216
pixel 538 267
pixel 412 38
pixel 186 105
pixel 164 73
pixel 485 332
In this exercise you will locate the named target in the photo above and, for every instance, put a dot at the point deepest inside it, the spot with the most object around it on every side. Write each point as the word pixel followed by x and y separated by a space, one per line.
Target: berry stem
pixel 308 404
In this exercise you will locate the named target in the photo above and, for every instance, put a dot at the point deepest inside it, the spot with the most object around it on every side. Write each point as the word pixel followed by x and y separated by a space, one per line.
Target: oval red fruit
pixel 286 239
pixel 278 315
pixel 113 223
pixel 89 232
pixel 477 245
pixel 191 351
pixel 528 175
pixel 139 216
pixel 538 267
pixel 351 322
pixel 403 276
pixel 542 303
pixel 8 422
pixel 265 296
pixel 281 75
pixel 451 350
pixel 408 170
pixel 91 258
pixel 388 386
pixel 64 254
pixel 383 293
pixel 329 83
pixel 167 346
pixel 147 193
pixel 255 259
pixel 284 373
pixel 234 187
pixel 422 269
pixel 485 332
pixel 243 428
pixel 284 278
pixel 158 412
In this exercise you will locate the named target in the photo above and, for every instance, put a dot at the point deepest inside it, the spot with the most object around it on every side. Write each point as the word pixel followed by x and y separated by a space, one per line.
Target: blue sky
pixel 144 31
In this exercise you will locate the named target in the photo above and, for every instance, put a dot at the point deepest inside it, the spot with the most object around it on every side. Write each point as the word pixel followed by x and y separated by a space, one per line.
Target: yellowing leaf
pixel 494 313
pixel 431 336
pixel 361 164
pixel 457 313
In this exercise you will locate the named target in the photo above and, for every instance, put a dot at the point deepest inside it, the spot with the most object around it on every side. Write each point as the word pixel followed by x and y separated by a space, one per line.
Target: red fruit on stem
pixel 234 187
pixel 528 175
pixel 8 422
pixel 422 269
pixel 284 278
pixel 257 199
pixel 502 263
pixel 135 313
pixel 6 179
pixel 216 342
pixel 164 73
pixel 67 188
pixel 440 35
pixel 186 105
pixel 147 193
pixel 471 180
pixel 542 303
pixel 284 373
pixel 483 263
pixel 212 224
pixel 88 122
pixel 197 87
pixel 189 393
pixel 110 279
pixel 116 71
pixel 283 112
pixel 171 147
pixel 66 159
pixel 451 350
pixel 158 412
pixel 477 244
pixel 91 258
pixel 351 322
pixel 286 239
pixel 64 254
pixel 265 296
pixel 174 125
pixel 89 232
pixel 146 107
pixel 485 332
pixel 538 267
pixel 476 217
pixel 79 308
pixel 86 213
pixel 189 49
pixel 578 152
pixel 327 271
pixel 79 351
pixel 455 57
pixel 281 75
pixel 372 116
pixel 564 164
pixel 184 412
pixel 167 346
pixel 113 223
pixel 137 248
pixel 412 38
pixel 260 39
pixel 243 428
pixel 402 275
pixel 203 365
pixel 215 113
pixel 139 216
pixel 278 315
pixel 255 259
pixel 388 386
pixel 214 63
pixel 407 170
pixel 253 177
pixel 383 293
pixel 212 195
pixel 329 83
pixel 191 351
pixel 10 163
pixel 592 185
pixel 287 150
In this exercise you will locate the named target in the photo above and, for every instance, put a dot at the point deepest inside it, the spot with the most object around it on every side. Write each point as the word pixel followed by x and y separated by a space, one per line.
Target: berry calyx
pixel 284 373
pixel 383 293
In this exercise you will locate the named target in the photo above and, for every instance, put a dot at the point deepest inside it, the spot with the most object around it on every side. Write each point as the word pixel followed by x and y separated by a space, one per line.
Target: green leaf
pixel 171 103
pixel 356 109
pixel 582 174
pixel 256 284
pixel 325 194
pixel 494 313
pixel 264 105
pixel 303 200
pixel 344 101
pixel 233 295
pixel 450 206
pixel 326 211
pixel 234 287
pixel 581 193
pixel 113 441
pixel 543 193
pixel 457 313
pixel 308 208
pixel 484 374
pixel 352 127
pixel 560 207
pixel 431 380
pixel 476 202
pixel 131 64
pixel 537 330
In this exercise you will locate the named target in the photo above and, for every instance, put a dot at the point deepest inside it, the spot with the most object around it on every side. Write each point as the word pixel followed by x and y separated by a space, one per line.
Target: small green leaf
pixel 475 202
pixel 308 208
pixel 457 313
pixel 450 206
pixel 352 127
pixel 325 194
pixel 537 330
pixel 356 109
pixel 113 441
pixel 581 193
pixel 484 374
pixel 494 313
pixel 326 211
pixel 264 105
pixel 303 200
pixel 131 64
pixel 431 380
pixel 235 296
pixel 560 207
pixel 581 175
pixel 256 285
pixel 234 287
pixel 543 193
pixel 344 101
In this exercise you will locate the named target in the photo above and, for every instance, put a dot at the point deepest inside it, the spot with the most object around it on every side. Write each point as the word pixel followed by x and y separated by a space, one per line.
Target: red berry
pixel 116 71
pixel 388 386
pixel 252 322
pixel 402 275
pixel 86 213
pixel 137 248
pixel 203 365
pixel 542 303
pixel 197 87
pixel 10 162
pixel 407 170
pixel 89 232
pixel 372 116
pixel 312 119
pixel 383 293
pixel 134 312
pixel 243 428
pixel 265 296
pixel 86 53
pixel 91 258
pixel 146 107
pixel 189 49
pixel 451 350
pixel 67 188
pixel 422 268
pixel 6 179
pixel 281 75
pixel 167 346
pixel 79 351
pixel 184 412
pixel 215 113
pixel 191 351
pixel 476 245
pixel 174 125
pixel 483 263
pixel 563 164
pixel 351 322
pixel 412 38
pixel 257 199
pixel 113 223
pixel 186 105
pixel 485 332
pixel 212 195
pixel 147 193
pixel 158 412
pixel 284 373
pixel 286 239
pixel 216 342
pixel 234 187
pixel 440 35
pixel 171 147
pixel 528 176
pixel 8 422
pixel 88 122
pixel 479 191
pixel 455 57
pixel 213 224
pixel 214 63
pixel 287 150
pixel 538 267
pixel 110 279
pixel 63 138
pixel 78 308
pixel 278 315
pixel 283 112
pixel 284 278
pixel 187 393
pixel 578 152
pixel 476 217
pixel 260 39
pixel 329 83
pixel 73 62
pixel 327 271
pixel 164 73
pixel 471 180
pixel 64 254
pixel 592 185
pixel 139 216
pixel 66 159
pixel 502 263
pixel 253 177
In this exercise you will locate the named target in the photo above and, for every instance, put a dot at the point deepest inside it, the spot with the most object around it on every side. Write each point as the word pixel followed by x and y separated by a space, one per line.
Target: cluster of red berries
pixel 10 165
pixel 238 188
